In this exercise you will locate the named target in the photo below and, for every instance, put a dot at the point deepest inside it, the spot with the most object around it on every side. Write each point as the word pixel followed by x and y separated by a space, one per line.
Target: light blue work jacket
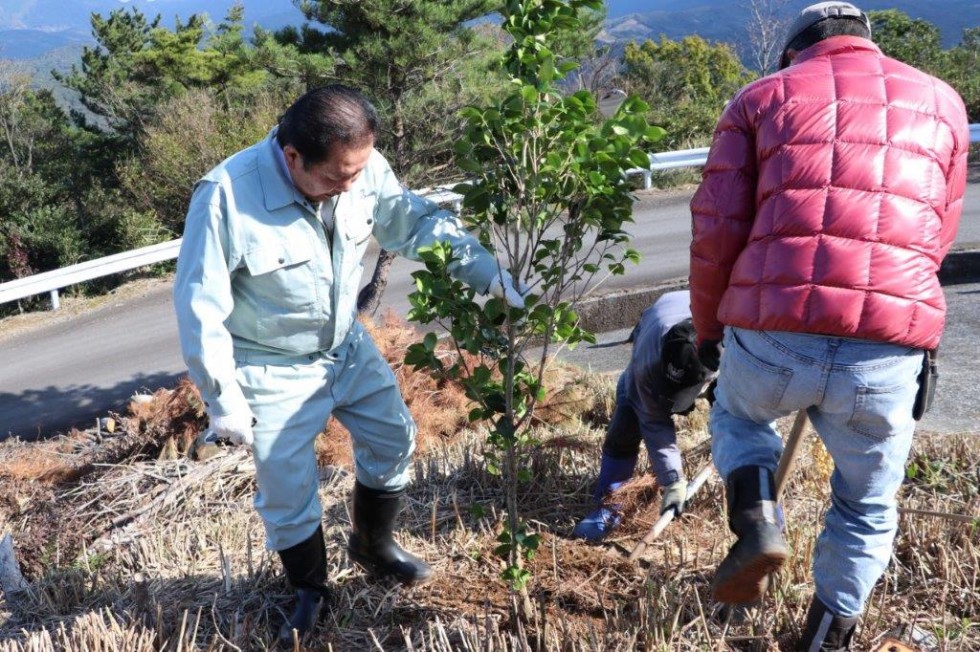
pixel 256 271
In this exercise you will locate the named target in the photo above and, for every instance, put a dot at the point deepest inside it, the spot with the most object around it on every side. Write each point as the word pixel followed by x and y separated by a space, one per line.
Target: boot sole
pixel 745 584
pixel 370 566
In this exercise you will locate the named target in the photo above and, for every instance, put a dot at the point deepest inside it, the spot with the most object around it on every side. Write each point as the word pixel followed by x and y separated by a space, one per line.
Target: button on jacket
pixel 259 272
pixel 832 191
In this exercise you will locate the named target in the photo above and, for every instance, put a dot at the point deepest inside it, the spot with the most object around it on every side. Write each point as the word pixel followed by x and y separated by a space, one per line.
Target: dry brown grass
pixel 144 549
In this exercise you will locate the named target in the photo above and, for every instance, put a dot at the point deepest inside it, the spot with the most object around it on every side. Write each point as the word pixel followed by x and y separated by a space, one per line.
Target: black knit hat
pixel 682 376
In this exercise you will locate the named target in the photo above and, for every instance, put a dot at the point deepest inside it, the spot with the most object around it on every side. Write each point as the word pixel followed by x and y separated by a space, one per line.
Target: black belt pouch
pixel 928 376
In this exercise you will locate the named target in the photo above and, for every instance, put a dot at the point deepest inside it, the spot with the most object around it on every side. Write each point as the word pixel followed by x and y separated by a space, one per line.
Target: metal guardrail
pixel 444 196
pixel 56 279
pixel 682 158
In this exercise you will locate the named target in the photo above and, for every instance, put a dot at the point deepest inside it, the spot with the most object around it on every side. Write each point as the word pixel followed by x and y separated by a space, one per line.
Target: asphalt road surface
pixel 69 372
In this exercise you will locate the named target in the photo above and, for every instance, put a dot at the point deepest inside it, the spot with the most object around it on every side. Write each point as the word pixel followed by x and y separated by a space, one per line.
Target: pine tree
pixel 418 60
pixel 136 66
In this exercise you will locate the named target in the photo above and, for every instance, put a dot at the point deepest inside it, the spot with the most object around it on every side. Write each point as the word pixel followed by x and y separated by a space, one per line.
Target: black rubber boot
pixel 825 631
pixel 742 576
pixel 306 570
pixel 371 544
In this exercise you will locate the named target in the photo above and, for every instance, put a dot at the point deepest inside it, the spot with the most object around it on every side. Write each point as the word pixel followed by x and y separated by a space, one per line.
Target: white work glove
pixel 675 495
pixel 502 286
pixel 235 428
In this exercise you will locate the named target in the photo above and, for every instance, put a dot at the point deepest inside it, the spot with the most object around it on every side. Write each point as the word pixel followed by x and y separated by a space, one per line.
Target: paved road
pixel 70 372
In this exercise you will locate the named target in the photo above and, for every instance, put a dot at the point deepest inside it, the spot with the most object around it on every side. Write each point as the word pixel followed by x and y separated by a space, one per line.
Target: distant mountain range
pixel 726 20
pixel 34 28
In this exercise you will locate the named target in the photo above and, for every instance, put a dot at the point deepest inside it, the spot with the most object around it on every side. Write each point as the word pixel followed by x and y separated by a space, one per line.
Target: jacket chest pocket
pixel 281 275
pixel 360 224
pixel 357 213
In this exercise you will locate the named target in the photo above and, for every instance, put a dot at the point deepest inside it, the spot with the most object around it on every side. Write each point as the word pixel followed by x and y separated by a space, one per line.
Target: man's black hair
pixel 834 26
pixel 325 117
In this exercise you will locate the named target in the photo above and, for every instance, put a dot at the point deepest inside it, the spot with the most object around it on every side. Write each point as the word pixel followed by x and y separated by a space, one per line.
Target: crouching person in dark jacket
pixel 664 377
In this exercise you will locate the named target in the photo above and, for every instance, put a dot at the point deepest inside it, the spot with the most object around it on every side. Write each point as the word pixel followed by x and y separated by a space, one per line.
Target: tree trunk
pixel 398 140
pixel 369 297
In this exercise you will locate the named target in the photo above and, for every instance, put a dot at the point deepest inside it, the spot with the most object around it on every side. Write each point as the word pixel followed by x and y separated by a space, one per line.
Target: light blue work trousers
pixel 292 397
pixel 858 395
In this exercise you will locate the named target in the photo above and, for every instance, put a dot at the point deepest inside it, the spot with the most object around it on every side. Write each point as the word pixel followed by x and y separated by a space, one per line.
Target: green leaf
pixel 566 67
pixel 654 134
pixel 530 94
pixel 639 158
pixel 417 356
pixel 516 577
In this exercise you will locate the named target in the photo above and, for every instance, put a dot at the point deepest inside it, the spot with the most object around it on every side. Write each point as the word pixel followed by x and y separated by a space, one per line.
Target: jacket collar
pixel 836 45
pixel 277 187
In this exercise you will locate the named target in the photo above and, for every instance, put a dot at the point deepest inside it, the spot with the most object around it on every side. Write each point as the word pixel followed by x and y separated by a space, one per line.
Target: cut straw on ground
pixel 127 543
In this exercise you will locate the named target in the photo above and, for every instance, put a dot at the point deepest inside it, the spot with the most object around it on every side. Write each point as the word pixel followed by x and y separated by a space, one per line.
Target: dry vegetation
pixel 130 544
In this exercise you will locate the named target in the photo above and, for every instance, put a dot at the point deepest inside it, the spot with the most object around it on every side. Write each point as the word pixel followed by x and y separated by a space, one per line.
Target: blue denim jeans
pixel 858 395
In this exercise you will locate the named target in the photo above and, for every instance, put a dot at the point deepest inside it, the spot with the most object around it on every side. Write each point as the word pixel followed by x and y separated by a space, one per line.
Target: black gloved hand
pixel 709 352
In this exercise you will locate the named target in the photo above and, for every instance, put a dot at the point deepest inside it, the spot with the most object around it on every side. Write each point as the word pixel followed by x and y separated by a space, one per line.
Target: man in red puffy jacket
pixel 832 192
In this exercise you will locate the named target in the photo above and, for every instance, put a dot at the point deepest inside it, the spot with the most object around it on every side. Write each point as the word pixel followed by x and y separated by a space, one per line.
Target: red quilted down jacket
pixel 832 192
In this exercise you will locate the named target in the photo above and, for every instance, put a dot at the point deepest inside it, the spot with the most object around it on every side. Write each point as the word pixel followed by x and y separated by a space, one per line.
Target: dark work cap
pixel 813 14
pixel 682 375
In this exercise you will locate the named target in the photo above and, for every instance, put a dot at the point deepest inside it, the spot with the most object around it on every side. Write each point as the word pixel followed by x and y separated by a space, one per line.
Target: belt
pixel 256 356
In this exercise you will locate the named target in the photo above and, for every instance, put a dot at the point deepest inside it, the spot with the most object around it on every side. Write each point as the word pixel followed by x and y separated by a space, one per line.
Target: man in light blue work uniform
pixel 664 377
pixel 265 294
